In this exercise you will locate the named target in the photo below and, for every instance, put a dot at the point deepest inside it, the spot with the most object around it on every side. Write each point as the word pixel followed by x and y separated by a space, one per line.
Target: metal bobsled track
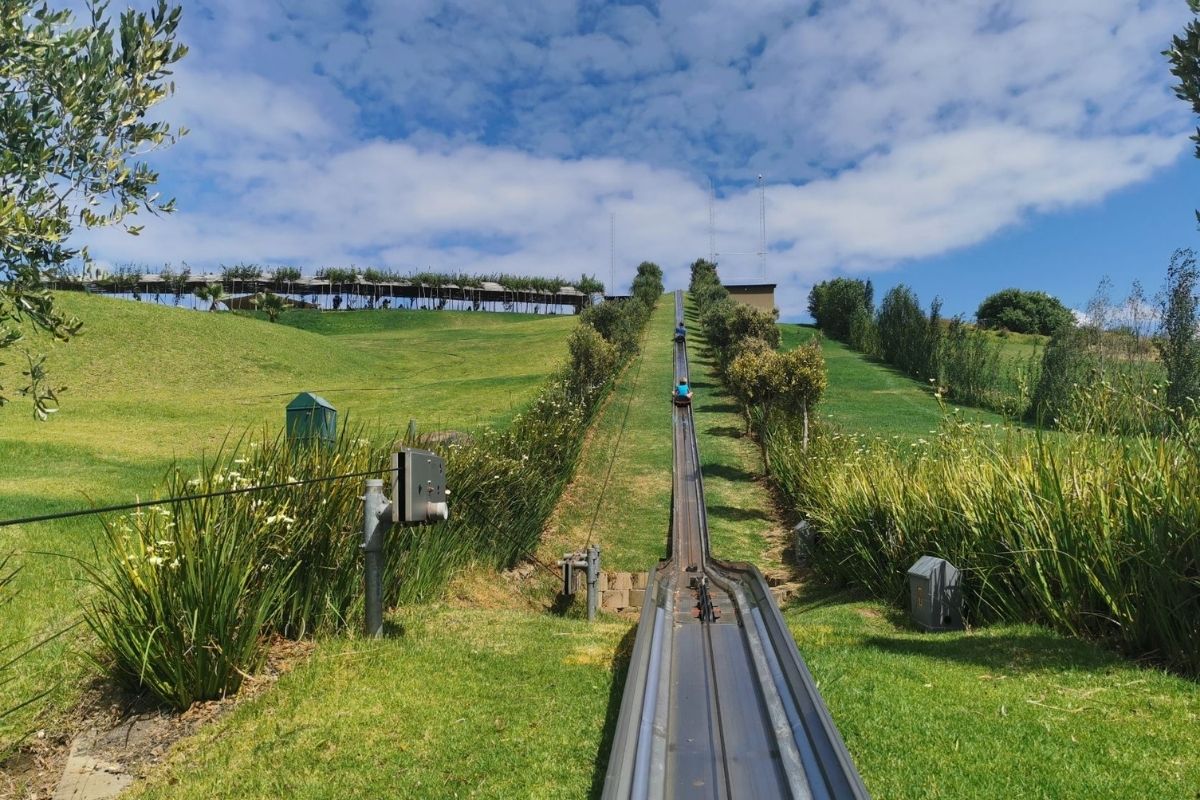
pixel 718 702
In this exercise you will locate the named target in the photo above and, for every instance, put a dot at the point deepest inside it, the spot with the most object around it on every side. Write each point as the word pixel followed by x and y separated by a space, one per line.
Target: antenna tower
pixel 712 223
pixel 762 226
pixel 612 254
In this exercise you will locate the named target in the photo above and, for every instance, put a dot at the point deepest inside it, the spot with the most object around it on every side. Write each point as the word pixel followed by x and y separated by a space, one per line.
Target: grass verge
pixel 467 703
pixel 1002 711
pixel 742 525
pixel 632 514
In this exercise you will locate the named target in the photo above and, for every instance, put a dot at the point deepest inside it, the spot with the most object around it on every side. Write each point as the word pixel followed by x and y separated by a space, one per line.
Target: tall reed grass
pixel 1097 536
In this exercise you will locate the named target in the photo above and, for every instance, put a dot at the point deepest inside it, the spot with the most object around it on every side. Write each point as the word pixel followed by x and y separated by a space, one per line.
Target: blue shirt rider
pixel 680 331
pixel 682 390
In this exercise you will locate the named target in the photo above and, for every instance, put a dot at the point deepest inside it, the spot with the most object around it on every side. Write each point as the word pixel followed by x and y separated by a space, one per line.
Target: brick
pixel 639 580
pixel 621 580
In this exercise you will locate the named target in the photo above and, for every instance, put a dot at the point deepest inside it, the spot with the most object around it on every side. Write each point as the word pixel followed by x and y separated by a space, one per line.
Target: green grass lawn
pixel 467 703
pixel 865 396
pixel 147 383
pixel 1001 711
pixel 635 510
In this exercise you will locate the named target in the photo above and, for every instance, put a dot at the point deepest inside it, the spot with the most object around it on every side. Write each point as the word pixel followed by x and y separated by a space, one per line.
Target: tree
pixel 211 294
pixel 747 377
pixel 1023 311
pixel 903 331
pixel 767 382
pixel 752 379
pixel 1184 56
pixel 271 304
pixel 1178 343
pixel 73 103
pixel 727 323
pixel 802 381
pixel 833 304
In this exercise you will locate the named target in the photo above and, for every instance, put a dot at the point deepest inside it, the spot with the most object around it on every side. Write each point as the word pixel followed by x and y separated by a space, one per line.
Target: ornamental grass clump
pixel 188 591
pixel 1096 536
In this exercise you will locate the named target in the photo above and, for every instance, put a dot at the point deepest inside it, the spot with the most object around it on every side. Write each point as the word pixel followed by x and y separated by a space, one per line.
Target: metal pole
pixel 593 578
pixel 373 531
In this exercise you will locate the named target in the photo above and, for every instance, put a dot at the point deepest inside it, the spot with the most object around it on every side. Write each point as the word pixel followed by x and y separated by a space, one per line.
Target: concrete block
pixel 621 580
pixel 640 579
pixel 636 596
pixel 783 593
pixel 602 582
pixel 615 600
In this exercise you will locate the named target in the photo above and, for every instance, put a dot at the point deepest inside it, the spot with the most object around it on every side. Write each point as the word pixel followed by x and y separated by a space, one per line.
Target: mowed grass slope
pixel 467 703
pixel 148 383
pixel 632 514
pixel 865 396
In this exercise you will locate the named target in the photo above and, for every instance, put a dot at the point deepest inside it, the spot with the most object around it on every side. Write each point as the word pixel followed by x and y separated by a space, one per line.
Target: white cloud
pixel 493 136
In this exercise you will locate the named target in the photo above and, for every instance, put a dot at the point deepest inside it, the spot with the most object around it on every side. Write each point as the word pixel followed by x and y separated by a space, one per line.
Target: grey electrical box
pixel 935 598
pixel 418 487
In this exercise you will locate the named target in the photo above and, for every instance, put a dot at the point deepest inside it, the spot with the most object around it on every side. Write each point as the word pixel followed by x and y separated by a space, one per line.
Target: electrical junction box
pixel 934 594
pixel 418 487
pixel 310 418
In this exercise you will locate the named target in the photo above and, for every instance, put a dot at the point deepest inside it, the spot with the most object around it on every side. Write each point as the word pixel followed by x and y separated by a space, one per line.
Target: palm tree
pixel 270 303
pixel 201 293
pixel 211 294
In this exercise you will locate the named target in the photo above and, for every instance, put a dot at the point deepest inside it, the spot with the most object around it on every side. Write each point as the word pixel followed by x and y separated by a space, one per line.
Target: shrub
pixel 833 304
pixel 616 323
pixel 1023 312
pixel 970 362
pixel 1179 344
pixel 903 332
pixel 593 360
pixel 864 334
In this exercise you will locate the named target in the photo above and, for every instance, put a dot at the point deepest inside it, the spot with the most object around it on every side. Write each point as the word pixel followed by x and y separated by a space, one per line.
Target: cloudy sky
pixel 959 146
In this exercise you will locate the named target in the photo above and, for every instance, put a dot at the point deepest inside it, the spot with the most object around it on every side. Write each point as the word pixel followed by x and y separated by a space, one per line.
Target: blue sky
pixel 959 146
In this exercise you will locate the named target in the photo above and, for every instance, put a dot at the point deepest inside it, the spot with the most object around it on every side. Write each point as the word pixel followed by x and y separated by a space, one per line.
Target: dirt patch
pixel 124 735
pixel 525 587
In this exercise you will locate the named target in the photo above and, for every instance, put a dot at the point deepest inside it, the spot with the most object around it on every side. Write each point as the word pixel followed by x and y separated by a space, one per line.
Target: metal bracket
pixel 589 561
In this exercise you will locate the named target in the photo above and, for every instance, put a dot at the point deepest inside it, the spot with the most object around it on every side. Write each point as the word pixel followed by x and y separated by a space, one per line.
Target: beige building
pixel 759 295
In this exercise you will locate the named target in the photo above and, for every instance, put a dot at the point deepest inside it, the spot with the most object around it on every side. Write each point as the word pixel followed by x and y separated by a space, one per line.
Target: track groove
pixel 723 708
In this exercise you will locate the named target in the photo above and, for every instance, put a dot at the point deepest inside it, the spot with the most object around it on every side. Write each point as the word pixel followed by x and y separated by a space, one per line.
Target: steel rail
pixel 718 703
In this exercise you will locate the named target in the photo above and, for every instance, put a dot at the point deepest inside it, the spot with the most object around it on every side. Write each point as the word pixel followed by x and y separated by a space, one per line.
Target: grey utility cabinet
pixel 934 594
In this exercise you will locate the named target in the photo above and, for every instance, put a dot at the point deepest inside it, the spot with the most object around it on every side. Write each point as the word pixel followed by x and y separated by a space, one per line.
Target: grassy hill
pixel 865 396
pixel 147 383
